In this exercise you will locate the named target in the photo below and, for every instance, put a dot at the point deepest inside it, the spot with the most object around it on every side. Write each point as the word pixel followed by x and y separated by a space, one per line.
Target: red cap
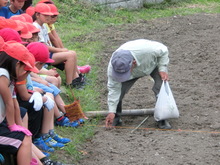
pixel 18 17
pixel 21 53
pixel 32 28
pixel 30 11
pixel 3 22
pixel 27 17
pixel 45 1
pixel 10 23
pixel 9 34
pixel 43 8
pixel 25 33
pixel 53 9
pixel 40 52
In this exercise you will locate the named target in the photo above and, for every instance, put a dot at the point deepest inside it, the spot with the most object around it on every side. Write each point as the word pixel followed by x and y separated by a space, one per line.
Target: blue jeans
pixel 51 89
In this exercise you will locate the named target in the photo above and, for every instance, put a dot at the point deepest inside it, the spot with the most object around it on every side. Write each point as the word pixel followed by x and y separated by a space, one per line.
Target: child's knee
pixel 27 142
pixel 73 54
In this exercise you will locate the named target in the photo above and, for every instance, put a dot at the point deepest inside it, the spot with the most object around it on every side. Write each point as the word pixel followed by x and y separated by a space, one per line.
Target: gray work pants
pixel 126 86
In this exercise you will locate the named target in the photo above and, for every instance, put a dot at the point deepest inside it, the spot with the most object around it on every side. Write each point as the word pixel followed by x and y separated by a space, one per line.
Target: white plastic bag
pixel 165 107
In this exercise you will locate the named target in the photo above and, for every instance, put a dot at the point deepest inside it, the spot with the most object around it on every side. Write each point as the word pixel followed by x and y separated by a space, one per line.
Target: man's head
pixel 121 61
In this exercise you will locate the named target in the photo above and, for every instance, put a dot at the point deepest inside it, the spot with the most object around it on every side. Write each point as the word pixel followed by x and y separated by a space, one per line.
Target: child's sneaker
pixel 84 69
pixel 39 143
pixel 52 143
pixel 66 122
pixel 81 121
pixel 60 139
pixel 48 161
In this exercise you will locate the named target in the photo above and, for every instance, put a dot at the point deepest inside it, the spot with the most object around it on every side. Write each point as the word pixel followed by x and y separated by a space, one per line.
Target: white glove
pixel 38 101
pixel 49 104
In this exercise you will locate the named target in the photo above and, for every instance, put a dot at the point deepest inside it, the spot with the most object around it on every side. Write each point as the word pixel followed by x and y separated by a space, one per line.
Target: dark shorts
pixel 10 141
pixel 60 66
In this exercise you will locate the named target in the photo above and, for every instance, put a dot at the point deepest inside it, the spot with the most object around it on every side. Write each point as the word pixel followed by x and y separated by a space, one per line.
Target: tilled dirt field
pixel 194 46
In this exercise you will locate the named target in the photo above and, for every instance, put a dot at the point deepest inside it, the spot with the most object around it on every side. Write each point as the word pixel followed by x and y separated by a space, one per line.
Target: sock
pixel 60 118
pixel 45 136
pixel 52 133
pixel 46 161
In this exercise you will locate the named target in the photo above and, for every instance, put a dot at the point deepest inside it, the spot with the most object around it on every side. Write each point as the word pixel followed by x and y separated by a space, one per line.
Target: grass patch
pixel 77 21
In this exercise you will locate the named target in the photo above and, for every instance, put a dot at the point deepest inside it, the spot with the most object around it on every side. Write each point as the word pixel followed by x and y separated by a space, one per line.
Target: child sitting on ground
pixel 59 55
pixel 15 64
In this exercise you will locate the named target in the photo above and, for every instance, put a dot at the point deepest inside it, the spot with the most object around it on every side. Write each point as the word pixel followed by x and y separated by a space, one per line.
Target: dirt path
pixel 194 46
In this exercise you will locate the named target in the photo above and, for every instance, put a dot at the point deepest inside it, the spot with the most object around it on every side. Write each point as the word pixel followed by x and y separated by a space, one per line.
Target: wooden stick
pixel 131 112
pixel 140 124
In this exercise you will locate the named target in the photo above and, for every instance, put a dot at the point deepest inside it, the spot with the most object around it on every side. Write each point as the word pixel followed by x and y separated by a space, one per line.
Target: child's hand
pixel 52 72
pixel 19 128
pixel 49 104
pixel 44 82
pixel 36 89
pixel 38 102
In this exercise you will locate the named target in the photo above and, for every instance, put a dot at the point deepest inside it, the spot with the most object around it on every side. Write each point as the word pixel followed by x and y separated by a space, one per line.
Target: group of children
pixel 30 101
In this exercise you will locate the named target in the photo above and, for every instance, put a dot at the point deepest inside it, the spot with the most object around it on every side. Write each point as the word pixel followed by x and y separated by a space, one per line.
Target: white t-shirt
pixel 43 34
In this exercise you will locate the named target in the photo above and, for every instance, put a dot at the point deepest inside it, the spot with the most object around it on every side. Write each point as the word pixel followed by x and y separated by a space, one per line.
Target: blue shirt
pixel 9 13
pixel 3 12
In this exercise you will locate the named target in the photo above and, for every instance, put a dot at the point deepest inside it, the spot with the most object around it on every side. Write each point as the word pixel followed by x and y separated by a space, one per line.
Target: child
pixel 3 9
pixel 59 55
pixel 15 64
pixel 41 54
pixel 14 8
pixel 54 37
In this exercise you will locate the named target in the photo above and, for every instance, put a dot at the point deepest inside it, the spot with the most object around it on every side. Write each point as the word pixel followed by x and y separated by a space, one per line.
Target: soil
pixel 194 45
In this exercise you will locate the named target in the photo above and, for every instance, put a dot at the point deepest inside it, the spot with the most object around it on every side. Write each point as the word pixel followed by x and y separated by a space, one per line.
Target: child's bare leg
pixel 53 80
pixel 59 81
pixel 70 60
pixel 25 121
pixel 56 112
pixel 60 103
pixel 25 152
pixel 48 118
pixel 37 154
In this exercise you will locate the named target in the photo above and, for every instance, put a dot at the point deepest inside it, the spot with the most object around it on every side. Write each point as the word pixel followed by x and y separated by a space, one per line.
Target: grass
pixel 77 21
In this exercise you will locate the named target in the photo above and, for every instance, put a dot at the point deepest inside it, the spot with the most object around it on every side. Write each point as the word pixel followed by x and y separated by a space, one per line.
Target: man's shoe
pixel 52 143
pixel 117 122
pixel 39 143
pixel 164 124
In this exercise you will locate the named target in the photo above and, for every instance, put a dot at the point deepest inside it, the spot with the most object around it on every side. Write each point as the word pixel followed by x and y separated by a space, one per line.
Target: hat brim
pixel 56 13
pixel 121 77
pixel 34 69
pixel 46 13
pixel 35 31
pixel 27 35
pixel 30 68
pixel 50 61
